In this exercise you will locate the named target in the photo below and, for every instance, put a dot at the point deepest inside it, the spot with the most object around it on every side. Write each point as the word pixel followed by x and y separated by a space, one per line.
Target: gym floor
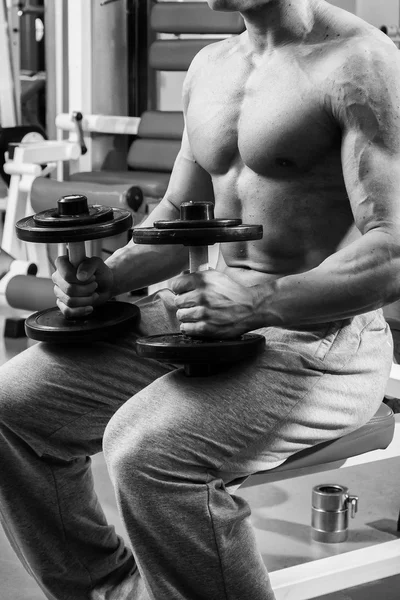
pixel 280 514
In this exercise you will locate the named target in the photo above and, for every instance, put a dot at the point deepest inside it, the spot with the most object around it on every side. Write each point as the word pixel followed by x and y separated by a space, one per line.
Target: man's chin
pixel 222 5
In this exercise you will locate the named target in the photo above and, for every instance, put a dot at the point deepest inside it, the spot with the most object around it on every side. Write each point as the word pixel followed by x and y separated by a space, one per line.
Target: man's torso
pixel 264 131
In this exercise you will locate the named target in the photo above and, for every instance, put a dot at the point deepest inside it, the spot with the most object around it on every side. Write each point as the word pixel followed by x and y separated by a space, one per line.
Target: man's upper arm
pixel 366 104
pixel 189 181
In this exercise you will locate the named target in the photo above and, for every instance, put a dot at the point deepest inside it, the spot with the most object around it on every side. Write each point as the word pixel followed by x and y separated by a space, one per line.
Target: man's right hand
pixel 79 290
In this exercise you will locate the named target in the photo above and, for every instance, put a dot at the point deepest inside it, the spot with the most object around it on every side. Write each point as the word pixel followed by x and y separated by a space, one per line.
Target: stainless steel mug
pixel 330 512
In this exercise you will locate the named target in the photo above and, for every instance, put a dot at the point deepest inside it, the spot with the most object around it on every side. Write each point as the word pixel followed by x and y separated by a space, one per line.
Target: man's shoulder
pixel 363 79
pixel 367 46
pixel 208 59
pixel 352 45
pixel 365 57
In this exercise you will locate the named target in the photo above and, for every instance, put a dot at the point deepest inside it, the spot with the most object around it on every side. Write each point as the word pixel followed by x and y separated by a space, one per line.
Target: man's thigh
pixel 307 386
pixel 59 398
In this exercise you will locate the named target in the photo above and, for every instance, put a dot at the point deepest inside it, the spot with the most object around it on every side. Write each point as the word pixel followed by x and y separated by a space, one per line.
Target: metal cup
pixel 330 512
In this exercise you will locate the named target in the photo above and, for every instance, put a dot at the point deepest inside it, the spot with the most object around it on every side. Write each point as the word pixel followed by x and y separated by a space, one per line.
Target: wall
pixel 379 12
pixel 349 5
pixel 385 12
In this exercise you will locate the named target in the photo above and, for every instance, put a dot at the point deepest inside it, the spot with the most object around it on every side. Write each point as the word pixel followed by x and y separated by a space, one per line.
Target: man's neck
pixel 278 23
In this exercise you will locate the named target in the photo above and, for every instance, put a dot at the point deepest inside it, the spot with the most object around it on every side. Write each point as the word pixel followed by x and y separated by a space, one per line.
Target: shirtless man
pixel 295 124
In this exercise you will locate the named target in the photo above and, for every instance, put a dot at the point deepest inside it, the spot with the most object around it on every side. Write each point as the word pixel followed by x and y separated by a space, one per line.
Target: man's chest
pixel 271 120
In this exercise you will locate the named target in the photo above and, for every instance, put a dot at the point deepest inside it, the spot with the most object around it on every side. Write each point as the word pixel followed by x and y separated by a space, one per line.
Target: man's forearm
pixel 361 277
pixel 138 266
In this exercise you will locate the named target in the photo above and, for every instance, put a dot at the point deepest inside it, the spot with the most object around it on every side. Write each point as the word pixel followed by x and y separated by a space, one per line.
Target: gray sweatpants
pixel 175 448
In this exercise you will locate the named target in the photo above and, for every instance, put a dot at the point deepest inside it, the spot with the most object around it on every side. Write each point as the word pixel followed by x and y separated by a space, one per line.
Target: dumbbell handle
pixel 76 253
pixel 198 258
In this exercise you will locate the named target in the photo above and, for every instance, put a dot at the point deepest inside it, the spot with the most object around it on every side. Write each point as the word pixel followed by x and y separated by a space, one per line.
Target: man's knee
pixel 138 439
pixel 128 440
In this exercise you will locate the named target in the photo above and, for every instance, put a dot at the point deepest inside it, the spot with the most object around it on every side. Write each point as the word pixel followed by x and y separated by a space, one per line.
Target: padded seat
pixel 45 193
pixel 193 17
pixel 374 435
pixel 167 55
pixel 152 184
pixel 377 434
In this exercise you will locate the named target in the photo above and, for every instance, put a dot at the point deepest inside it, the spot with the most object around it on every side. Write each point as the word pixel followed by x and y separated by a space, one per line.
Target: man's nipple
pixel 284 162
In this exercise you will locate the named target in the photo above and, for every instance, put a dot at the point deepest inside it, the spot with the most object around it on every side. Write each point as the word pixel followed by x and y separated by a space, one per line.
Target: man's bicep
pixel 368 111
pixel 188 181
pixel 372 177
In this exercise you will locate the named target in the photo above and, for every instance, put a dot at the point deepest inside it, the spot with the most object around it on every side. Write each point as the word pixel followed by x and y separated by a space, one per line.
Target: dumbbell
pixel 197 228
pixel 73 222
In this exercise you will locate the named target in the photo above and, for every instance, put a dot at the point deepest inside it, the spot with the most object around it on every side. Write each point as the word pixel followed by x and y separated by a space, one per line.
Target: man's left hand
pixel 211 304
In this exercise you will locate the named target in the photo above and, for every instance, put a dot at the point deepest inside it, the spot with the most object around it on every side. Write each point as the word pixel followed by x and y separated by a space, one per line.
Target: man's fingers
pixel 75 301
pixel 73 313
pixel 78 290
pixel 73 289
pixel 69 273
pixel 197 329
pixel 64 267
pixel 191 315
pixel 185 283
pixel 65 278
pixel 87 269
pixel 191 299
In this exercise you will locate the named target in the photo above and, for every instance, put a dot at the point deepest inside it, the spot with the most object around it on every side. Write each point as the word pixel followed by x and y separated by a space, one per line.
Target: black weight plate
pixel 109 320
pixel 181 349
pixel 197 237
pixel 28 231
pixel 184 224
pixel 52 218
